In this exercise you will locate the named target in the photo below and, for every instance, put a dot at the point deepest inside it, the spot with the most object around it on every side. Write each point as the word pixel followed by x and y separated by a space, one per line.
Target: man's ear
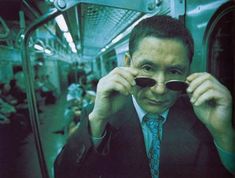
pixel 127 59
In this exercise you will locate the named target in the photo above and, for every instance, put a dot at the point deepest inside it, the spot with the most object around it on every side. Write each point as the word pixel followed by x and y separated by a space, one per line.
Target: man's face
pixel 162 60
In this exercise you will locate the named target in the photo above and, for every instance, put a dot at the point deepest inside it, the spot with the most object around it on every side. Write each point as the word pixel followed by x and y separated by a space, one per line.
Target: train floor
pixel 22 162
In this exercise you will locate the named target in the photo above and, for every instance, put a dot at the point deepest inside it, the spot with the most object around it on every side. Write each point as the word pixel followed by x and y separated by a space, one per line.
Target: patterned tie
pixel 155 125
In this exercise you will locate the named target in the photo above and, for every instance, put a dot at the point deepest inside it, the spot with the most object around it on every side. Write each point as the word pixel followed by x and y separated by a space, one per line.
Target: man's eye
pixel 147 67
pixel 176 72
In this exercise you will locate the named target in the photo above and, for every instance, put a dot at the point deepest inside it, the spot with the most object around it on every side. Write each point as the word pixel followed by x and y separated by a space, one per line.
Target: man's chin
pixel 155 110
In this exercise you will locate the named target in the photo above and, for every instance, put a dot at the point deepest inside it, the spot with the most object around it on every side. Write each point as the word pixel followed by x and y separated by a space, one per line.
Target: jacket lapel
pixel 129 141
pixel 179 145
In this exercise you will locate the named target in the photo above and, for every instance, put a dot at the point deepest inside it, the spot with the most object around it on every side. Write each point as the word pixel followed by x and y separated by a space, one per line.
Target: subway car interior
pixel 53 53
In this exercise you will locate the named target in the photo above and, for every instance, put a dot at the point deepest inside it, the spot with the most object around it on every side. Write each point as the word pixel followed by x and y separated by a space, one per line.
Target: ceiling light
pixel 74 50
pixel 68 37
pixel 38 47
pixel 72 45
pixel 48 52
pixel 117 38
pixel 61 23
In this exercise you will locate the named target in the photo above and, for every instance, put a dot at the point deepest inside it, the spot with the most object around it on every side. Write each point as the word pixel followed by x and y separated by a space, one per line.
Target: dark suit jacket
pixel 187 149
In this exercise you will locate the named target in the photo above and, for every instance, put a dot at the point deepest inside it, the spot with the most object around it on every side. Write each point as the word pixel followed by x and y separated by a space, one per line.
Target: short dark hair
pixel 161 26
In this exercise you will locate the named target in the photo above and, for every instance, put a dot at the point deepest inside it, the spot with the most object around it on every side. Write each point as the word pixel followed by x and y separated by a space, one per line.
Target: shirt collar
pixel 141 113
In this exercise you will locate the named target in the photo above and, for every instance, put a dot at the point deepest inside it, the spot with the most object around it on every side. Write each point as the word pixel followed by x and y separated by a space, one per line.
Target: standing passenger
pixel 194 132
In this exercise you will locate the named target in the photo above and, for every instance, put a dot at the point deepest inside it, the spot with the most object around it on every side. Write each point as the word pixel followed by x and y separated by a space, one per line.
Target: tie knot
pixel 152 122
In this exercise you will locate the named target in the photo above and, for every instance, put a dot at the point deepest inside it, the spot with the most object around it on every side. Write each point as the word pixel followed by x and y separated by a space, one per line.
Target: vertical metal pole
pixel 28 72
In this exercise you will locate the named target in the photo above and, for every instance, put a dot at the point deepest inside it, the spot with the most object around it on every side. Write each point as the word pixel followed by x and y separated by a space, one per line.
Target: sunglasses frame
pixel 175 85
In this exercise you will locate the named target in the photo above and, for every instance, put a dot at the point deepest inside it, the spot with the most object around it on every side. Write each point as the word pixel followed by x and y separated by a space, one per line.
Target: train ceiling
pixel 92 26
pixel 100 24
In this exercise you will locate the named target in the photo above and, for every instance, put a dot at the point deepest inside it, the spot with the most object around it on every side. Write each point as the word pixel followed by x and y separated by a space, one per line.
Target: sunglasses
pixel 175 85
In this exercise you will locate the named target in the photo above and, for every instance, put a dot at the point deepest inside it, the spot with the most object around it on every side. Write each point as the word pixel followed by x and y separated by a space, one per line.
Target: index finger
pixel 133 71
pixel 193 76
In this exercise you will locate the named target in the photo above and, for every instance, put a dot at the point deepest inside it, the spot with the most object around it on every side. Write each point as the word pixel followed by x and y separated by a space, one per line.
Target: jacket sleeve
pixel 79 158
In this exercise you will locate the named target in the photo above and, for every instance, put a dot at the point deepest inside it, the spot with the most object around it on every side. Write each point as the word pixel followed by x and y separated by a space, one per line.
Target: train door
pixel 220 40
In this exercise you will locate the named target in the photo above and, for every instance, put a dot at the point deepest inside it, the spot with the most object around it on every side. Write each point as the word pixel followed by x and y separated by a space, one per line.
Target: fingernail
pixel 192 100
pixel 133 83
pixel 189 89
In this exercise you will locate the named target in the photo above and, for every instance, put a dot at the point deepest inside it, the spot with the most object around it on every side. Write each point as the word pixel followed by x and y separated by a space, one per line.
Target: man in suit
pixel 195 136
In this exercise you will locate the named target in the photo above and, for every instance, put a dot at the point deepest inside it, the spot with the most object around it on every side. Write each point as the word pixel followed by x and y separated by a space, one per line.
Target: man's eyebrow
pixel 145 61
pixel 177 66
pixel 148 61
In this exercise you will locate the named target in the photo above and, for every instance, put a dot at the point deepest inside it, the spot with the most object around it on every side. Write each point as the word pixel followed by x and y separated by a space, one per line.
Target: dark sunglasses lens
pixel 145 82
pixel 177 85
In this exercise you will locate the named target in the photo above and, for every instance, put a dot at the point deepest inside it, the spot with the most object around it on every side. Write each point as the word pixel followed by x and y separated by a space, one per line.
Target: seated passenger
pixel 6 95
pixel 38 89
pixel 9 114
pixel 48 90
pixel 21 105
pixel 76 102
pixel 6 109
pixel 12 132
pixel 19 95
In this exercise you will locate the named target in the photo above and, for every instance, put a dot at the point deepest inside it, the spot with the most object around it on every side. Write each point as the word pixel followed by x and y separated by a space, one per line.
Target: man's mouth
pixel 156 102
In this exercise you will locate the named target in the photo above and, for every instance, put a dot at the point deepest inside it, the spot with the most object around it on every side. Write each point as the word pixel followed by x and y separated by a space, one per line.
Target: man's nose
pixel 159 88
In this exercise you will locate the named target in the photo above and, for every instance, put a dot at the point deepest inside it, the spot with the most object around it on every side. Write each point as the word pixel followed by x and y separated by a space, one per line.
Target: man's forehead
pixel 152 46
pixel 167 64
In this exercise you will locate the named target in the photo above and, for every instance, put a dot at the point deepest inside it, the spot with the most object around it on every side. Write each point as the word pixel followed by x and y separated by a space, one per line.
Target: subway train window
pixel 83 83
